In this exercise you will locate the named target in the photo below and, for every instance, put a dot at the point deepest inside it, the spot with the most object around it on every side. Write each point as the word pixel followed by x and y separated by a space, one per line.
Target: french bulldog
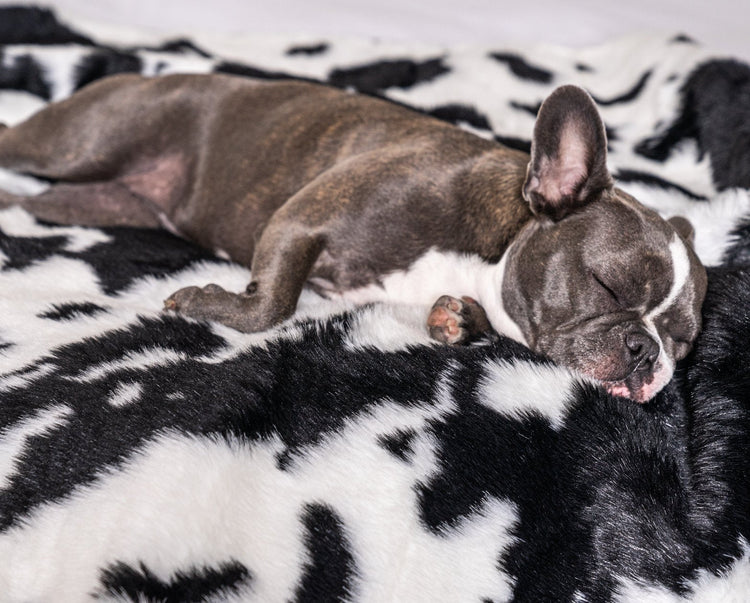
pixel 365 199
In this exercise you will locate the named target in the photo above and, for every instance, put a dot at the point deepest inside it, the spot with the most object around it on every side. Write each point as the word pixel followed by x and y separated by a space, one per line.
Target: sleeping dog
pixel 367 200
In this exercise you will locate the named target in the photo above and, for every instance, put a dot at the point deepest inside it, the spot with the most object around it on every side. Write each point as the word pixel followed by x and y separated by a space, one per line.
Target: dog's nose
pixel 643 349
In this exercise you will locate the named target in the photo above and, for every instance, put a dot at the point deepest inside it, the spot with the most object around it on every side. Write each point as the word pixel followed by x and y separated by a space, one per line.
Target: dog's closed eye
pixel 607 288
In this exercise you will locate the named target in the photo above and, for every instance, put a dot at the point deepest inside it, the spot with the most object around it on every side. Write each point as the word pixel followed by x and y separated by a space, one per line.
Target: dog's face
pixel 597 282
pixel 613 291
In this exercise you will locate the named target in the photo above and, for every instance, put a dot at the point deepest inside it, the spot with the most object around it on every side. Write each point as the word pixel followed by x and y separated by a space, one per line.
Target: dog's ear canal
pixel 568 166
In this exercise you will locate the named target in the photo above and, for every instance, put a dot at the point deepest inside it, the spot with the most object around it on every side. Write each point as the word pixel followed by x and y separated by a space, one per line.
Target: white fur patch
pixel 17 106
pixel 680 274
pixel 713 220
pixel 21 184
pixel 390 327
pixel 125 393
pixel 14 439
pixel 521 389
pixel 10 381
pixel 22 308
pixel 143 359
pixel 730 586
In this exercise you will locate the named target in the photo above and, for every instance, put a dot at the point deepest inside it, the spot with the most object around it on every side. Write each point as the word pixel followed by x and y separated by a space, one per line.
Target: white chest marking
pixel 439 273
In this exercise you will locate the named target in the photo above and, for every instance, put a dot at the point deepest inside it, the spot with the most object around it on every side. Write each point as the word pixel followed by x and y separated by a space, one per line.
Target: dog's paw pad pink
pixel 446 322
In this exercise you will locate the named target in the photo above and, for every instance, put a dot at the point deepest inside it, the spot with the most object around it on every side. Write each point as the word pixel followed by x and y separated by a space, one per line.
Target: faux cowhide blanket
pixel 343 456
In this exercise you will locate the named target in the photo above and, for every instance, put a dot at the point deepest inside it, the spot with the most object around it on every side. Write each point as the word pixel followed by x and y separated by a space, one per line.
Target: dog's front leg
pixel 282 260
pixel 279 270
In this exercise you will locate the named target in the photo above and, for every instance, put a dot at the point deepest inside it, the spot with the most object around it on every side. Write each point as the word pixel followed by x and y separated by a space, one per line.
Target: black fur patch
pixel 457 114
pixel 515 143
pixel 624 175
pixel 35 25
pixel 377 77
pixel 104 62
pixel 399 444
pixel 183 46
pixel 523 69
pixel 73 310
pixel 715 112
pixel 329 572
pixel 24 251
pixel 24 73
pixel 192 585
pixel 683 39
pixel 312 49
pixel 134 253
pixel 526 108
pixel 738 253
pixel 628 96
pixel 234 68
pixel 719 412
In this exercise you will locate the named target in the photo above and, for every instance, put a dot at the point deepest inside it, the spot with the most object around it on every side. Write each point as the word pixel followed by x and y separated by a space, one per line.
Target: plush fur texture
pixel 344 456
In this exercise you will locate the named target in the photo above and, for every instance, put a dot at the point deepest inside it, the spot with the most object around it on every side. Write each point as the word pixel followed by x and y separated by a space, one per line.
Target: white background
pixel 722 25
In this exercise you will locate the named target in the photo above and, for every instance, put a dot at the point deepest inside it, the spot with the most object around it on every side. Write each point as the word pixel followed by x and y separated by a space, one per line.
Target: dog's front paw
pixel 456 321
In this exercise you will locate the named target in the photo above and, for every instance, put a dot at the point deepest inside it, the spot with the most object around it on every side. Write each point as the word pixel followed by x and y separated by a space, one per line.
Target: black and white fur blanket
pixel 344 456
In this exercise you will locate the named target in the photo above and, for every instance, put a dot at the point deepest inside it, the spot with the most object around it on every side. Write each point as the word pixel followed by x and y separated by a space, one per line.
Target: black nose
pixel 643 349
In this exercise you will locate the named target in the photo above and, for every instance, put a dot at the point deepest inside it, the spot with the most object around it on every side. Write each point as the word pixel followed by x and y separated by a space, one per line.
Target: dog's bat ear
pixel 568 166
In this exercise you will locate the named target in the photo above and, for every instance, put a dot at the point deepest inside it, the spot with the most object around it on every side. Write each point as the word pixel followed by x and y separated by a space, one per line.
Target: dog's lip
pixel 619 387
pixel 623 390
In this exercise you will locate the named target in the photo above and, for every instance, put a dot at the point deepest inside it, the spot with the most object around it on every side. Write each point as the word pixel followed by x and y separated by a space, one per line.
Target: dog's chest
pixel 431 275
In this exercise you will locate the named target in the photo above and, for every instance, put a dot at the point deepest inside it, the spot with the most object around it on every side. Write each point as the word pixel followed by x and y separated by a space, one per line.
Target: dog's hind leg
pixel 88 204
pixel 96 149
pixel 85 138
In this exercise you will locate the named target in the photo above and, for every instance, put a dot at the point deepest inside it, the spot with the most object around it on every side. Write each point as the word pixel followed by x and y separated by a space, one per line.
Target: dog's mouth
pixel 639 387
pixel 622 390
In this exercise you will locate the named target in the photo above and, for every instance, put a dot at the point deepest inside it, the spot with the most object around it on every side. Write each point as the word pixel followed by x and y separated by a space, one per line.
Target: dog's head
pixel 597 281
